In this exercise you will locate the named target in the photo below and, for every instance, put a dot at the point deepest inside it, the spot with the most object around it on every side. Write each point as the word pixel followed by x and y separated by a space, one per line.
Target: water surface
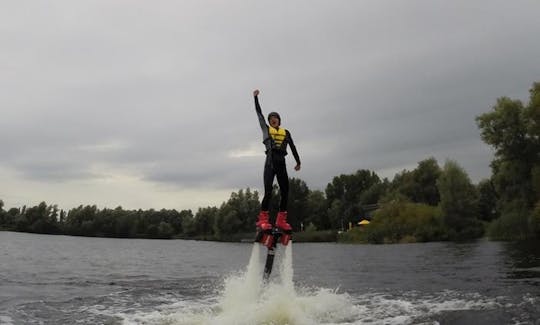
pixel 77 280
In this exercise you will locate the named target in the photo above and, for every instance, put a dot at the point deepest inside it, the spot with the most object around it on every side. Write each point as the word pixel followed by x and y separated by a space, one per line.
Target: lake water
pixel 77 280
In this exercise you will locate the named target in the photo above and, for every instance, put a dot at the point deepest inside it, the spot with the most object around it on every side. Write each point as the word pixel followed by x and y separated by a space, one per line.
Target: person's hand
pixel 297 167
pixel 256 93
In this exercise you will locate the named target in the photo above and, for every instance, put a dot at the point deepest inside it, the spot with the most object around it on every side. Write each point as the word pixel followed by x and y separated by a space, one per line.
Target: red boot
pixel 281 221
pixel 263 222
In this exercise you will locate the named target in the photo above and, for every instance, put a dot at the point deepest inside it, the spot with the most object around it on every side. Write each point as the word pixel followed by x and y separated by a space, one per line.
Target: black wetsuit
pixel 275 163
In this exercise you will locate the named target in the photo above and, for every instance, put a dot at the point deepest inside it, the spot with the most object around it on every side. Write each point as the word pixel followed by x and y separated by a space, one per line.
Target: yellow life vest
pixel 278 135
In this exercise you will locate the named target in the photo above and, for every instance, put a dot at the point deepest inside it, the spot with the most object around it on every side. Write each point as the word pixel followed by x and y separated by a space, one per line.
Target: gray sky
pixel 148 104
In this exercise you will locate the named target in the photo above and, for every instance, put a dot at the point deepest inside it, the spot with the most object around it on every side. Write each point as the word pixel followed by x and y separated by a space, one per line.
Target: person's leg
pixel 268 183
pixel 263 220
pixel 283 181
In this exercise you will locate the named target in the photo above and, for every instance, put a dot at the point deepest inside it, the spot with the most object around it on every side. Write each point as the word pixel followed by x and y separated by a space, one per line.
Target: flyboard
pixel 270 238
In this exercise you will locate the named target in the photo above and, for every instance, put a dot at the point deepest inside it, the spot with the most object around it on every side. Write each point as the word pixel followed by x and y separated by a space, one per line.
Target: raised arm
pixel 262 121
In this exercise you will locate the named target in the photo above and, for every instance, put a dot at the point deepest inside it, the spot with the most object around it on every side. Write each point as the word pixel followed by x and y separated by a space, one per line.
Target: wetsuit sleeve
pixel 293 148
pixel 262 123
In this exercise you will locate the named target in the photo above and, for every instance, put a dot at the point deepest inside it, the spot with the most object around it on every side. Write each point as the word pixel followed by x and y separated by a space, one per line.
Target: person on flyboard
pixel 275 139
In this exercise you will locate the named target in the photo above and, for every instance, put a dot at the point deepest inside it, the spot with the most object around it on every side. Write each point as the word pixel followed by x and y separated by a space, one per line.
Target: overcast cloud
pixel 148 104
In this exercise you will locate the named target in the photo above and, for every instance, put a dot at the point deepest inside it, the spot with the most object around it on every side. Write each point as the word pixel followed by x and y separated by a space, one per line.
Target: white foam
pixel 277 305
pixel 244 288
pixel 286 268
pixel 245 300
pixel 6 320
pixel 278 302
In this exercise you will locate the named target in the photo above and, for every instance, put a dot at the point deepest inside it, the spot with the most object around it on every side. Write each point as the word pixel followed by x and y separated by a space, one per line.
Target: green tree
pixel 10 218
pixel 317 210
pixel 298 202
pixel 239 213
pixel 403 185
pixel 426 175
pixel 511 129
pixel 344 196
pixel 123 225
pixel 458 203
pixel 375 192
pixel 104 223
pixel 39 219
pixel 227 222
pixel 175 219
pixel 487 201
pixel 403 221
pixel 79 221
pixel 419 185
pixel 335 215
pixel 204 221
pixel 513 224
pixel 165 230
pixel 185 217
pixel 188 226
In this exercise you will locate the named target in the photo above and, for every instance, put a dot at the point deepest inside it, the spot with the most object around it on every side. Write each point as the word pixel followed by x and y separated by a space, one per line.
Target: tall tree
pixel 204 221
pixel 512 130
pixel 426 175
pixel 420 185
pixel 344 195
pixel 458 202
pixel 238 214
pixel 298 202
pixel 317 211
pixel 487 201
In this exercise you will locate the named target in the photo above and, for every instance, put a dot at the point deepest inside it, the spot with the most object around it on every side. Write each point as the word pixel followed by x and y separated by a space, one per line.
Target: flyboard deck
pixel 270 239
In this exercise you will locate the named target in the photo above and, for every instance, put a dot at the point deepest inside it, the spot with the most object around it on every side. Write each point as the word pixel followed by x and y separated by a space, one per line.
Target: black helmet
pixel 274 114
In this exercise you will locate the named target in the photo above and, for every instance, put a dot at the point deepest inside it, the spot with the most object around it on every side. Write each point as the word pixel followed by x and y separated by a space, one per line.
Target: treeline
pixel 429 203
pixel 442 204
pixel 236 215
pixel 425 204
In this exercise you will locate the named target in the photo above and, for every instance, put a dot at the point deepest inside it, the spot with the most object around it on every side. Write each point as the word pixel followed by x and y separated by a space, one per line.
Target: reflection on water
pixel 523 261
